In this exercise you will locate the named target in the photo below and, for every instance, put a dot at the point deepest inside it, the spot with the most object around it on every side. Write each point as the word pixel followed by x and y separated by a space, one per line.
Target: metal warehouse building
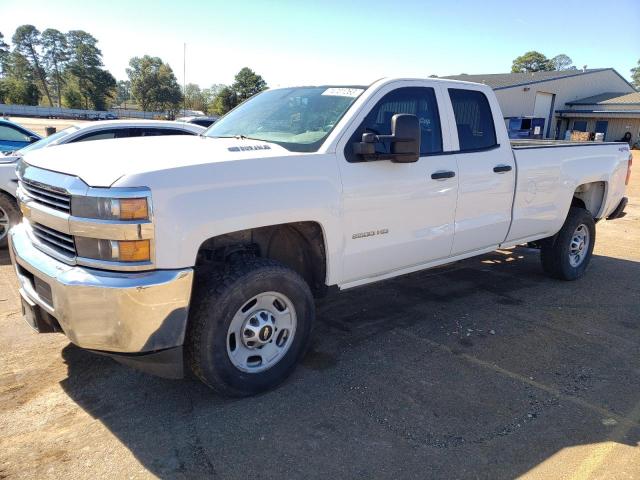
pixel 590 100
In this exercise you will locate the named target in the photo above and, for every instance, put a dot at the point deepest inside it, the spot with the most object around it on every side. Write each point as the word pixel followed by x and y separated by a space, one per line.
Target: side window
pixel 101 135
pixel 155 132
pixel 12 134
pixel 419 101
pixel 580 125
pixel 474 119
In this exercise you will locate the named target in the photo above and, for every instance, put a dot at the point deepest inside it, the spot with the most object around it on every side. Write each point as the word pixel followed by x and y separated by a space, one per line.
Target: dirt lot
pixel 484 369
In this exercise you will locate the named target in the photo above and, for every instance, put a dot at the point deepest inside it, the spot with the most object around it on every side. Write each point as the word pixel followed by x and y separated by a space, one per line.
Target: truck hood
pixel 101 163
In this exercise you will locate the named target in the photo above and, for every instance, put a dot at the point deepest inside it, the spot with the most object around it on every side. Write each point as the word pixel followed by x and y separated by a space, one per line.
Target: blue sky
pixel 326 41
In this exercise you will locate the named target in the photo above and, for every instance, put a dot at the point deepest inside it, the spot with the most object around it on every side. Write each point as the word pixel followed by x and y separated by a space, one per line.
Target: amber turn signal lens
pixel 134 209
pixel 134 251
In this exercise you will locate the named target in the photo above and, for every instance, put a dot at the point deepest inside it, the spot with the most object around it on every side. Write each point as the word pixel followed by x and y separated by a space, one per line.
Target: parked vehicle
pixel 211 250
pixel 203 121
pixel 14 136
pixel 82 132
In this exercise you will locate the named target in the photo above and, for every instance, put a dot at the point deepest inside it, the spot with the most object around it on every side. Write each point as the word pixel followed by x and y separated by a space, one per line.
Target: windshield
pixel 50 140
pixel 299 119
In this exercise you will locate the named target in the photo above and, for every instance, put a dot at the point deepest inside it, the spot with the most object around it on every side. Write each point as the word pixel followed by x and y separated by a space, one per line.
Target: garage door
pixel 542 107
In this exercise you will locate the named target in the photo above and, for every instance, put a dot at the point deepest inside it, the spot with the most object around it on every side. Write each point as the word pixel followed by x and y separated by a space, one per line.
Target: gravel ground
pixel 483 369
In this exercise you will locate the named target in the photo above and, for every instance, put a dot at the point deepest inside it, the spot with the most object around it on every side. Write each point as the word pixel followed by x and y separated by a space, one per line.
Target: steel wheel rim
pixel 4 223
pixel 579 245
pixel 261 332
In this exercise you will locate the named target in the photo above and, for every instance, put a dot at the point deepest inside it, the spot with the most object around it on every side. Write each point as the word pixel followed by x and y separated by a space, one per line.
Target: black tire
pixel 217 296
pixel 554 253
pixel 8 208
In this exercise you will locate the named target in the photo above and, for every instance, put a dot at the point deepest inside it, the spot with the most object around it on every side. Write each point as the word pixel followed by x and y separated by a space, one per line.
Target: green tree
pixel 94 84
pixel 635 76
pixel 562 62
pixel 123 92
pixel 210 94
pixel 226 100
pixel 18 85
pixel 153 84
pixel 194 98
pixel 71 96
pixel 247 84
pixel 55 56
pixel 27 41
pixel 4 53
pixel 531 62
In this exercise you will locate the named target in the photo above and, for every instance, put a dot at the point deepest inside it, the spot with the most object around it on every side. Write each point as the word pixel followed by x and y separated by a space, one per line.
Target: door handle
pixel 502 168
pixel 443 175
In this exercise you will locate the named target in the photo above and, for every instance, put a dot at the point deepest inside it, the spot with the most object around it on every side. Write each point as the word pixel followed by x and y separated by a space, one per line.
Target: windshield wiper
pixel 237 137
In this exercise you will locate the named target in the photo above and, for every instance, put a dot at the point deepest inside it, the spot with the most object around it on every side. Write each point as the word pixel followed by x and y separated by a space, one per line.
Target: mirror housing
pixel 33 139
pixel 404 139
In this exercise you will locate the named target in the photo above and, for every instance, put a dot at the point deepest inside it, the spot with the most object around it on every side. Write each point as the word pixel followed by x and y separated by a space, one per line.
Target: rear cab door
pixel 486 168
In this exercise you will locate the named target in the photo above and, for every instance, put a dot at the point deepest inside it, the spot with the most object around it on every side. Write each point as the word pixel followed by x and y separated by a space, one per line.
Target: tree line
pixel 534 61
pixel 65 69
pixel 59 69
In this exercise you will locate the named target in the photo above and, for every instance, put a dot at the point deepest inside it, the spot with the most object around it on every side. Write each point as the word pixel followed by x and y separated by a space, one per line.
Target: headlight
pixel 104 208
pixel 114 250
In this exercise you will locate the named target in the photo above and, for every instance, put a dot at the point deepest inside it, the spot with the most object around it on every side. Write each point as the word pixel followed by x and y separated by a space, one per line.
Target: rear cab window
pixel 474 120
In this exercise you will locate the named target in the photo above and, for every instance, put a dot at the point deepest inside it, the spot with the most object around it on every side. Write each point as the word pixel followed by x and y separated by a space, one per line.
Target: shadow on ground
pixel 483 369
pixel 5 259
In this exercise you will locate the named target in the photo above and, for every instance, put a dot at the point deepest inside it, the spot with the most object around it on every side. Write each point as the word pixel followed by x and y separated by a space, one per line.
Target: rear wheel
pixel 567 254
pixel 249 327
pixel 9 216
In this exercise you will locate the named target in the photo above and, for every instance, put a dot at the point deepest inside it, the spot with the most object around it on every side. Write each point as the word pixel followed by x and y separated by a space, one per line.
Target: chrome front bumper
pixel 118 312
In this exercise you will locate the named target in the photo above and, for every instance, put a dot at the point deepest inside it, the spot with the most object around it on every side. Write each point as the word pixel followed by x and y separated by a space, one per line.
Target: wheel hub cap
pixel 579 245
pixel 258 329
pixel 261 332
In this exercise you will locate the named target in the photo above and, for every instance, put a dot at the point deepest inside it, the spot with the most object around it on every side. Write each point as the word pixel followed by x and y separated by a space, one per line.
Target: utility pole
pixel 184 80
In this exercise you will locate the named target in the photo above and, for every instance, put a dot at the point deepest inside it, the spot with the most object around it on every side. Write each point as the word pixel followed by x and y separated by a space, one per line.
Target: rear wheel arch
pixel 590 196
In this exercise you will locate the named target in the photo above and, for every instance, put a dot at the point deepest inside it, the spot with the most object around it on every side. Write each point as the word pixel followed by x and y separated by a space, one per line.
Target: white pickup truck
pixel 211 249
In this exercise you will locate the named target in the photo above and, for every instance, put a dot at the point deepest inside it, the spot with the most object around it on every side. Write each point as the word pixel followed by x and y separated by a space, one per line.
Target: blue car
pixel 14 137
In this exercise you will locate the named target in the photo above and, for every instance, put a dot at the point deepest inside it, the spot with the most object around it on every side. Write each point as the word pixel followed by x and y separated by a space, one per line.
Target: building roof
pixel 609 98
pixel 499 81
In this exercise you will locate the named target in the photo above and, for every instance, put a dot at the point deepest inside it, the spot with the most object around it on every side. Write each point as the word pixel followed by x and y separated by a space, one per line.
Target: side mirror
pixel 33 139
pixel 404 139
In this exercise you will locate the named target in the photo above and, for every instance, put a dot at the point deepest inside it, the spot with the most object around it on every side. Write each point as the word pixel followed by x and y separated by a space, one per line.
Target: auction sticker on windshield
pixel 343 92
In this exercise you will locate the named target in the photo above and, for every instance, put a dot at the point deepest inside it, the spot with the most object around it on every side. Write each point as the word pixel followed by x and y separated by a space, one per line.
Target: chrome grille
pixel 60 242
pixel 48 196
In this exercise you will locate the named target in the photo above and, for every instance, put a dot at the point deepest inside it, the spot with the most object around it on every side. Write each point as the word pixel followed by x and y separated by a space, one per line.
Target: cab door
pixel 486 172
pixel 397 215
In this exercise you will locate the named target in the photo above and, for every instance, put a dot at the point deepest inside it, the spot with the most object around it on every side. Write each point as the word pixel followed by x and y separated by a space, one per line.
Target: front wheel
pixel 566 255
pixel 249 327
pixel 9 216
